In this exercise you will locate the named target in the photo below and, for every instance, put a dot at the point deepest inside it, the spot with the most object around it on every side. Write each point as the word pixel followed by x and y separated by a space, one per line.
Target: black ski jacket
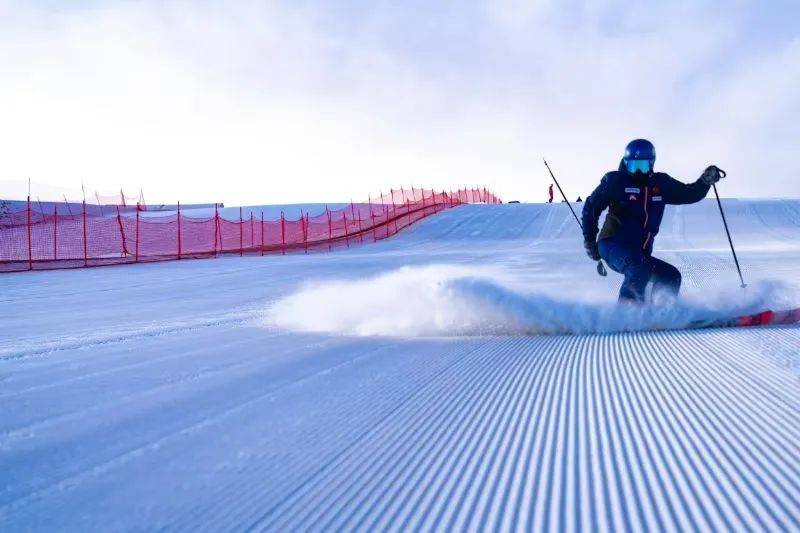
pixel 635 206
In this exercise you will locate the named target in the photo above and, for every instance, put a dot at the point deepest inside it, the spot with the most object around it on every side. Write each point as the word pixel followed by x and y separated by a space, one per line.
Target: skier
pixel 635 197
pixel 550 194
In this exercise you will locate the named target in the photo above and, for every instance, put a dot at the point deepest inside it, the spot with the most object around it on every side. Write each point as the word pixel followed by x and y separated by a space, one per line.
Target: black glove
pixel 591 250
pixel 712 174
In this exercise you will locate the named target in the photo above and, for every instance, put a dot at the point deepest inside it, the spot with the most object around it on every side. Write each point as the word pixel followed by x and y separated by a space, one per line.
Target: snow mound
pixel 449 300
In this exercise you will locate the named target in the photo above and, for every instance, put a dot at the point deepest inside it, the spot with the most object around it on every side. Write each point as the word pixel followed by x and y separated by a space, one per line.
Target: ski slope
pixel 471 372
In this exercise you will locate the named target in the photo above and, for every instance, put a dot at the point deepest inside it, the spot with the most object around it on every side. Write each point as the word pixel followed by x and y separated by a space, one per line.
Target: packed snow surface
pixel 472 372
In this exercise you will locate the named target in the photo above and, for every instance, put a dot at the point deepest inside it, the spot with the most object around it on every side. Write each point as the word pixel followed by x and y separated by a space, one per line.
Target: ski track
pixel 183 411
pixel 672 459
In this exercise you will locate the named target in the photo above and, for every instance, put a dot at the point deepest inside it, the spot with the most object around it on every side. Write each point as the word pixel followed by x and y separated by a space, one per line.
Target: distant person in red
pixel 550 194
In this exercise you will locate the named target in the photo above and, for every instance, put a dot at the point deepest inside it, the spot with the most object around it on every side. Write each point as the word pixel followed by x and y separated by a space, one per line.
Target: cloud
pixel 258 101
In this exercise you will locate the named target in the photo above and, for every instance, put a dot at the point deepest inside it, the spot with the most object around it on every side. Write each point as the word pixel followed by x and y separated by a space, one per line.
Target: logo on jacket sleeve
pixel 636 190
pixel 656 190
pixel 632 197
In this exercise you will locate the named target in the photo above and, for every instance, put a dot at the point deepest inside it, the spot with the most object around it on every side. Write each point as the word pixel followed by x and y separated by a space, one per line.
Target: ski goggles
pixel 645 166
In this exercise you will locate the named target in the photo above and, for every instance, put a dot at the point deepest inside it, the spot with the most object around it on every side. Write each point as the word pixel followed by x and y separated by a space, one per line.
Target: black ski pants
pixel 639 269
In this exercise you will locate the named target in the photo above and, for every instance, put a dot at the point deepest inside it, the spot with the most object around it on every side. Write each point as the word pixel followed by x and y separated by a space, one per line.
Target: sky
pixel 274 102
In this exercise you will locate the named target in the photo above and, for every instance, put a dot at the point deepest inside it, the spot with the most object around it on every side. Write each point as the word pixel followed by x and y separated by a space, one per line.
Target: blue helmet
pixel 640 156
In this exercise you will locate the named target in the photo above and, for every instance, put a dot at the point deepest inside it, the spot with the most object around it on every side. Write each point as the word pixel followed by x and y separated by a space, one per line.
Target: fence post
pixel 346 234
pixel 360 229
pixel 28 232
pixel 283 234
pixel 352 213
pixel 304 225
pixel 241 233
pixel 85 246
pixel 121 232
pixel 216 228
pixel 262 233
pixel 372 216
pixel 330 228
pixel 55 231
pixel 394 215
pixel 136 257
pixel 179 230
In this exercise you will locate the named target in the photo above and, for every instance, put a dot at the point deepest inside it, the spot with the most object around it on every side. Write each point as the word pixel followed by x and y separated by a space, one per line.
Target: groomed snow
pixel 403 385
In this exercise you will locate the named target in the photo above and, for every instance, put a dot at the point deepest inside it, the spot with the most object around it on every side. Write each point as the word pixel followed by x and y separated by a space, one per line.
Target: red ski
pixel 764 318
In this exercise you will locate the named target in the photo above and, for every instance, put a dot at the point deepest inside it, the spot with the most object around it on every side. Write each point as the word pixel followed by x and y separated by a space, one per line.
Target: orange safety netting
pixel 36 240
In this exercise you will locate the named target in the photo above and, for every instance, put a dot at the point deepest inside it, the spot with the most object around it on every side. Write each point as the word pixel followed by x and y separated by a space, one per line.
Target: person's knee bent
pixel 678 279
pixel 638 273
pixel 669 275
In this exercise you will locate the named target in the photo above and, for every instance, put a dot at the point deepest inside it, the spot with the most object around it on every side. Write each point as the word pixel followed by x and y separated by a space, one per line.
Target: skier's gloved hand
pixel 712 174
pixel 591 250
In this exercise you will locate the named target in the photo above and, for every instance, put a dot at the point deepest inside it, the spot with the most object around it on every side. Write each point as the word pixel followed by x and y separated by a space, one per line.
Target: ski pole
pixel 728 231
pixel 601 268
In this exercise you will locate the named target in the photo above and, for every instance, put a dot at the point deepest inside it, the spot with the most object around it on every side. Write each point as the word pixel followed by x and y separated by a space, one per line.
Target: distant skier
pixel 635 197
pixel 579 200
pixel 550 194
